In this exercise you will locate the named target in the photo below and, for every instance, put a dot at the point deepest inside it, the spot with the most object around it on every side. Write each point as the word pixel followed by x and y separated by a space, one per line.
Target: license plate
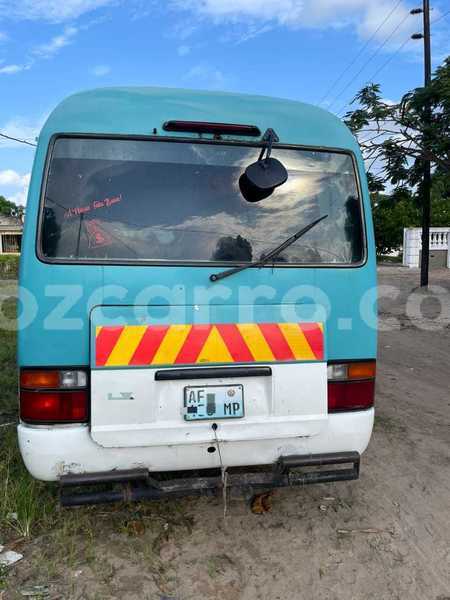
pixel 213 402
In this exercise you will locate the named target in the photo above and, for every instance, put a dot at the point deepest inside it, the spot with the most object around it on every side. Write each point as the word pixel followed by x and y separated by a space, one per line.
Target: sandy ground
pixel 386 536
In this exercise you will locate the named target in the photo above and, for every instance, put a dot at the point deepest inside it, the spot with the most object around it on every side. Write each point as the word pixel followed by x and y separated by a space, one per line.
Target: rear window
pixel 111 200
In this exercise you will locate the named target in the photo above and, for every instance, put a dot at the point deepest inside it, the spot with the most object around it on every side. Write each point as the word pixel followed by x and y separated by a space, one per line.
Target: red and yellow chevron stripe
pixel 162 345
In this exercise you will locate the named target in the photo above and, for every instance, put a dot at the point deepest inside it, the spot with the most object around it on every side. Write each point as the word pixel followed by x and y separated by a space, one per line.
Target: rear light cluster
pixel 54 396
pixel 351 386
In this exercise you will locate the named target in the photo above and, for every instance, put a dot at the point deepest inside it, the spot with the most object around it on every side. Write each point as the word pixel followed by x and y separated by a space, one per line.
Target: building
pixel 439 247
pixel 10 234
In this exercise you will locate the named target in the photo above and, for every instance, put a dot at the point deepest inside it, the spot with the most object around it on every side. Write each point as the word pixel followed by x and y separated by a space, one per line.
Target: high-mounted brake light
pixel 213 128
pixel 54 396
pixel 351 386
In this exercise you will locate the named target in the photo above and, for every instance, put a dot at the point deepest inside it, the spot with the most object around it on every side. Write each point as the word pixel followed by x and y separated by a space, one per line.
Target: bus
pixel 198 297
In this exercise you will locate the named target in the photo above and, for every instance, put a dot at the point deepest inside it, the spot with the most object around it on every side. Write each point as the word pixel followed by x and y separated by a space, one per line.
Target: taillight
pixel 53 407
pixel 351 386
pixel 54 396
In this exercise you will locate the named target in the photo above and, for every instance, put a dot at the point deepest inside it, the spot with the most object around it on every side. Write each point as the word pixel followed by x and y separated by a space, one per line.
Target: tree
pixel 440 200
pixel 392 135
pixel 391 213
pixel 7 207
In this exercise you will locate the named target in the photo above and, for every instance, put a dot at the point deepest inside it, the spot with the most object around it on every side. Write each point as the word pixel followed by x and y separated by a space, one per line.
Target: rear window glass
pixel 113 200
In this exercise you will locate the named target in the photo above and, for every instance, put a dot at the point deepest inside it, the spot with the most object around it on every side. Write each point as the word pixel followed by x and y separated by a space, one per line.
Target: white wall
pixel 412 244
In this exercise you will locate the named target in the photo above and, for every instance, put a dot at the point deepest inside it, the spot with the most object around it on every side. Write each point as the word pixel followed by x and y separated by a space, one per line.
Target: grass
pixel 26 505
pixel 3 577
pixel 8 371
pixel 55 540
pixel 387 258
pixel 9 266
pixel 59 541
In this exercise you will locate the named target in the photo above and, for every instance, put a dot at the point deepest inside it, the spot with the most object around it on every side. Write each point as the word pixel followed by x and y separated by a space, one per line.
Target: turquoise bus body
pixel 344 296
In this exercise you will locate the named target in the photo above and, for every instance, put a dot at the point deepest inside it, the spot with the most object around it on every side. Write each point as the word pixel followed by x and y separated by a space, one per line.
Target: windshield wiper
pixel 268 257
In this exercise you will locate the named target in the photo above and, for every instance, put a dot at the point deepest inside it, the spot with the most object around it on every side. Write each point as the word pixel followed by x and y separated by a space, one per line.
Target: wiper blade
pixel 272 254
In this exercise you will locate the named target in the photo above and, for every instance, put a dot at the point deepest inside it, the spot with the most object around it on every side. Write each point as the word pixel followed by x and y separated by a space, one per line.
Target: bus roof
pixel 140 110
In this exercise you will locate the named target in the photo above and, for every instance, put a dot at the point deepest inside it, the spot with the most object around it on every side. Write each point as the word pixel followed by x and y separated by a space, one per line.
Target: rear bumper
pixel 139 484
pixel 51 452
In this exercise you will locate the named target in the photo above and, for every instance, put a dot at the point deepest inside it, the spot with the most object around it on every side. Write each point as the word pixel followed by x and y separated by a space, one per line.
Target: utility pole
pixel 426 187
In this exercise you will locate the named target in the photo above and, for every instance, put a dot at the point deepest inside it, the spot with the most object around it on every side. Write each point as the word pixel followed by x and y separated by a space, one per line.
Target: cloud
pixel 14 186
pixel 364 16
pixel 11 178
pixel 23 129
pixel 141 9
pixel 207 76
pixel 53 11
pixel 13 69
pixel 183 50
pixel 43 51
pixel 35 9
pixel 56 43
pixel 100 70
pixel 3 37
pixel 185 29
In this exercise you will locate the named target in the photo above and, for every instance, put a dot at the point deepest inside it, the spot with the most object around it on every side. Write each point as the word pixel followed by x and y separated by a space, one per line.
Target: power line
pixel 369 60
pixel 385 64
pixel 381 68
pixel 388 61
pixel 361 51
pixel 9 137
pixel 446 14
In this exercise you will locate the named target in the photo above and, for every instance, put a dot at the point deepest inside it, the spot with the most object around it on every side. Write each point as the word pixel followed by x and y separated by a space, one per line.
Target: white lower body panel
pixel 292 402
pixel 49 452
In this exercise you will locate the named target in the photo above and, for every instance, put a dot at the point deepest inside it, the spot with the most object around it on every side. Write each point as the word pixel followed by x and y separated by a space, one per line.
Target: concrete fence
pixel 439 247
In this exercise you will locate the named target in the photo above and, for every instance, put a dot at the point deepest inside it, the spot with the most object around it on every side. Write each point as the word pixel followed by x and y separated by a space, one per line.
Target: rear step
pixel 138 484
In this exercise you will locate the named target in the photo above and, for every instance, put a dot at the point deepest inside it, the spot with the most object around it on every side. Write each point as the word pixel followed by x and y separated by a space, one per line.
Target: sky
pixel 317 51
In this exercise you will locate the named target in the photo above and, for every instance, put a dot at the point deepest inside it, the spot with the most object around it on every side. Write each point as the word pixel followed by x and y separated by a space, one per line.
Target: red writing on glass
pixel 77 211
pixel 97 236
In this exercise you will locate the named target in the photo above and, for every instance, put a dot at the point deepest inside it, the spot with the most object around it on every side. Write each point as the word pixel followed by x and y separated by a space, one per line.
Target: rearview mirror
pixel 261 178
